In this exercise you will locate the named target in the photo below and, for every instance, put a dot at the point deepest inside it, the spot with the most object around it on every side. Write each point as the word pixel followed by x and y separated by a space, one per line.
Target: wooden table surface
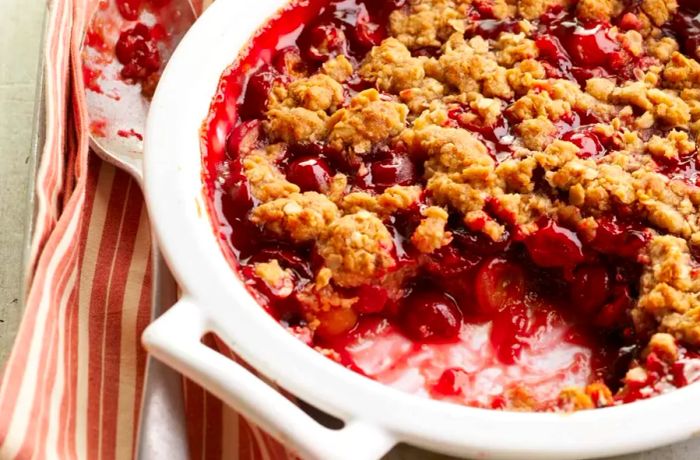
pixel 21 25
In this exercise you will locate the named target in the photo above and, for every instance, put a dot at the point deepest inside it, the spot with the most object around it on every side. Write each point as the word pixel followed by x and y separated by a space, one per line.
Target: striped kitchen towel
pixel 72 386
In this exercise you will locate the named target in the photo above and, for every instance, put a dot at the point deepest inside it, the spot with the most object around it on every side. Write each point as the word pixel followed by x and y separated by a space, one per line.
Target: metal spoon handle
pixel 162 429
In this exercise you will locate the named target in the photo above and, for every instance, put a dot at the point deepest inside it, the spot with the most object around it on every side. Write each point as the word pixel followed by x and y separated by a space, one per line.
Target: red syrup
pixel 579 51
pixel 480 319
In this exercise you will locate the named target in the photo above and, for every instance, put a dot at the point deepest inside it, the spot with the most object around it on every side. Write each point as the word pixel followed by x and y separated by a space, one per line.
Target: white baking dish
pixel 377 417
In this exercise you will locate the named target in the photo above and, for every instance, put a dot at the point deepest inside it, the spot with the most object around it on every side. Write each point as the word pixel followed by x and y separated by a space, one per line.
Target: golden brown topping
pixel 357 248
pixel 296 124
pixel 598 10
pixel 664 345
pixel 533 9
pixel 428 23
pixel 338 68
pixel 300 216
pixel 392 67
pixel 470 66
pixel 430 234
pixel 669 291
pixel 266 181
pixel 367 120
pixel 659 11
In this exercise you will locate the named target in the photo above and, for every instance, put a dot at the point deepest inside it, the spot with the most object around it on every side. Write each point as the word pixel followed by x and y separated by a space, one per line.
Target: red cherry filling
pixel 616 237
pixel 389 170
pixel 613 314
pixel 480 244
pixel 588 142
pixel 499 284
pixel 685 25
pixel 429 316
pixel 255 99
pixel 554 246
pixel 451 382
pixel 509 332
pixel 582 50
pixel 138 52
pixel 591 46
pixel 310 174
pixel 371 299
pixel 685 167
pixel 322 41
pixel 243 138
pixel 590 288
pixel 287 258
pixel 240 196
pixel 368 33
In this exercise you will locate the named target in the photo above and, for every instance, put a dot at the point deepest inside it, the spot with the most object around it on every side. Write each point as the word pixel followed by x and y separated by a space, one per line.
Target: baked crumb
pixel 357 248
pixel 367 120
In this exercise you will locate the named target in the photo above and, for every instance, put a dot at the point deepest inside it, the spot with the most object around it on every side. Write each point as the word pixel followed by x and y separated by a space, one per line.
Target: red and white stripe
pixel 72 386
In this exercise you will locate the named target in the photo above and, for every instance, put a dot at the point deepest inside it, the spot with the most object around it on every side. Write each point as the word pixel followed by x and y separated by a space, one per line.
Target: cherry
pixel 322 41
pixel 612 315
pixel 478 243
pixel 554 246
pixel 499 284
pixel 453 271
pixel 255 99
pixel 138 52
pixel 686 26
pixel 616 237
pixel 582 74
pixel 590 288
pixel 451 382
pixel 241 197
pixel 591 46
pixel 310 174
pixel 397 169
pixel 448 261
pixel 588 142
pixel 371 299
pixel 367 32
pixel 509 332
pixel 243 138
pixel 129 9
pixel 551 49
pixel 430 316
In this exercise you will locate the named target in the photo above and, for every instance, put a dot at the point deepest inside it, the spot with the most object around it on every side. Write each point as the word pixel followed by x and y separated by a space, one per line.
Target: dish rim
pixel 176 199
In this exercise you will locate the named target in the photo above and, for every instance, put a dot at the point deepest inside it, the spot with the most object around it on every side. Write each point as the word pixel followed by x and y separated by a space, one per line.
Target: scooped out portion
pixel 489 202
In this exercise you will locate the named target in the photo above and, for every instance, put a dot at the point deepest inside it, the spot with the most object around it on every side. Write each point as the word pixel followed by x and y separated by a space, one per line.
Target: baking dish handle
pixel 175 339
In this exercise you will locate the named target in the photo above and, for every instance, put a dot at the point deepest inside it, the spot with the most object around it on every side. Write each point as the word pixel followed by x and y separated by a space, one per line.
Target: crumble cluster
pixel 424 101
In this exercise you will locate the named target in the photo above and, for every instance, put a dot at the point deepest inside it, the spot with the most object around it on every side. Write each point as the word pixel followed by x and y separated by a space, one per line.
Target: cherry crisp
pixel 488 202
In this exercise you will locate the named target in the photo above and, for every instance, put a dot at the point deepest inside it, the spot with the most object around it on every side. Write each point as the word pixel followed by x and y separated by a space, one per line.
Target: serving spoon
pixel 117 111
